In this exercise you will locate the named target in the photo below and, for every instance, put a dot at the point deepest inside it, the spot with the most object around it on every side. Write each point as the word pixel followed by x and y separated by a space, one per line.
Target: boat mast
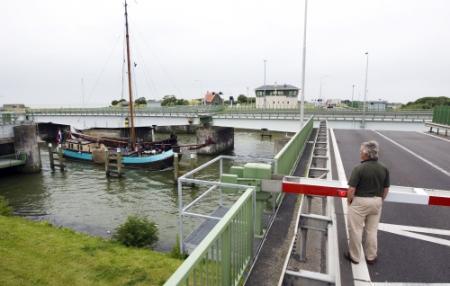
pixel 130 91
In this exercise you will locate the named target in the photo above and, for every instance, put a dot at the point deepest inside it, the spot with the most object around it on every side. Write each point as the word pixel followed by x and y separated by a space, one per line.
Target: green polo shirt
pixel 369 178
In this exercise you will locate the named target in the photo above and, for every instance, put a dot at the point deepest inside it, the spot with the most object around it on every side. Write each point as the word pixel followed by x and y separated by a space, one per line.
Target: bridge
pixel 288 225
pixel 246 118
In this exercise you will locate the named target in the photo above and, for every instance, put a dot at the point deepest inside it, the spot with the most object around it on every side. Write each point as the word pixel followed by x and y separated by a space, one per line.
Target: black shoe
pixel 371 262
pixel 349 258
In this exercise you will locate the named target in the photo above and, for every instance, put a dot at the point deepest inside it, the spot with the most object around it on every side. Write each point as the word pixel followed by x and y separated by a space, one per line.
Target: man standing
pixel 368 187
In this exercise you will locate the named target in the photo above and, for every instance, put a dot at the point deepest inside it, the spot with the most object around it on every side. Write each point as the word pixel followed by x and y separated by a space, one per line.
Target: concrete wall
pixel 25 140
pixel 222 136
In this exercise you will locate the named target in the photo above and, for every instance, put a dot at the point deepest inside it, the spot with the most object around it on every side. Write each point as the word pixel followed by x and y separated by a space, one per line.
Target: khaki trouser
pixel 363 213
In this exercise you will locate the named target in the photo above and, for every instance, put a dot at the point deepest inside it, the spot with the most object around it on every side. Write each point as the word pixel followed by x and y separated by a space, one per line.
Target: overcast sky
pixel 69 53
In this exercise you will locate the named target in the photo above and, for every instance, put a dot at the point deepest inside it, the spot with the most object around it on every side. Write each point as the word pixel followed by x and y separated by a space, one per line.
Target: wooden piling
pixel 60 159
pixel 116 163
pixel 107 162
pixel 50 155
pixel 175 166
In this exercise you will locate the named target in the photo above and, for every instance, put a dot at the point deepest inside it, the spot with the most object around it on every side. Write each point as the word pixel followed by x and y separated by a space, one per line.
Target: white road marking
pixel 414 154
pixel 408 284
pixel 434 136
pixel 360 271
pixel 411 232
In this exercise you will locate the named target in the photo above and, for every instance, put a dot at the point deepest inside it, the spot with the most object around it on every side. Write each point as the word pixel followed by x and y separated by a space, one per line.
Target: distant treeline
pixel 427 103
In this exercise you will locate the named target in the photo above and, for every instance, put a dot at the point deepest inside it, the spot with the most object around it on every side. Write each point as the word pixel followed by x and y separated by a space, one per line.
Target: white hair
pixel 370 148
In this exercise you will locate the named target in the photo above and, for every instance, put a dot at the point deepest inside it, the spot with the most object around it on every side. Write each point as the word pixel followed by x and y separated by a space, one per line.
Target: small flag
pixel 59 137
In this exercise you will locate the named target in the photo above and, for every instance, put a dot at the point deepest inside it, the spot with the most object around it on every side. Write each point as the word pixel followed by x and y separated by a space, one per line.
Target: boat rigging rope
pixel 104 67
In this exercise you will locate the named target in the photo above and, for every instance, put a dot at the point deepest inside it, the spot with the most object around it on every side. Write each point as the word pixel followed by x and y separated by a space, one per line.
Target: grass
pixel 36 253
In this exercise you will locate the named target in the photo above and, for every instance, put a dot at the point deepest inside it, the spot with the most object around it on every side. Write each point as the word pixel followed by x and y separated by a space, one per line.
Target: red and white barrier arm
pixel 320 187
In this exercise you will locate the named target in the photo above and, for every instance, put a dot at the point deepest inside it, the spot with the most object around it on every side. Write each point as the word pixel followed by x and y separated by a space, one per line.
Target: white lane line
pixel 408 284
pixel 409 231
pixel 434 136
pixel 360 271
pixel 414 154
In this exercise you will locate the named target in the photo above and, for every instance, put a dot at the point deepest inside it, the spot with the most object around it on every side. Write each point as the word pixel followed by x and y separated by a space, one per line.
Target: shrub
pixel 5 209
pixel 137 232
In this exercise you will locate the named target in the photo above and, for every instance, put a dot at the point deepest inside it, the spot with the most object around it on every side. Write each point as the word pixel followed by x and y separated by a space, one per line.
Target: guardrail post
pixel 226 257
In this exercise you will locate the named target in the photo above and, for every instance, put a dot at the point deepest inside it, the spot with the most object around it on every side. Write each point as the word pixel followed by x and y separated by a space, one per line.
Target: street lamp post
pixel 363 125
pixel 264 85
pixel 302 101
pixel 353 94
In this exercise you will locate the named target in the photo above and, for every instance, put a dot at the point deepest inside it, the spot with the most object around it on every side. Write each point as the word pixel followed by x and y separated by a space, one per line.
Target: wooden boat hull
pixel 153 162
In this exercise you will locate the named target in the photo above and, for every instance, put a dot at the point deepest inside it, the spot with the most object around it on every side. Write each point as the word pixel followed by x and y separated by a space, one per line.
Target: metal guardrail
pixel 11 118
pixel 286 159
pixel 226 252
pixel 226 111
pixel 224 255
pixel 143 111
pixel 323 223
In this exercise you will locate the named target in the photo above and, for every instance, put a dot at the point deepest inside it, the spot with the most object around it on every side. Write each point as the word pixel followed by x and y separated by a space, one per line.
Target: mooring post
pixel 175 166
pixel 107 162
pixel 50 154
pixel 119 162
pixel 60 158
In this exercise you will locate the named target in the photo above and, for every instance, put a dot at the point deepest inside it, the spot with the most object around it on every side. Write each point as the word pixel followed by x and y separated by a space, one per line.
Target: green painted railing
pixel 441 115
pixel 285 159
pixel 224 255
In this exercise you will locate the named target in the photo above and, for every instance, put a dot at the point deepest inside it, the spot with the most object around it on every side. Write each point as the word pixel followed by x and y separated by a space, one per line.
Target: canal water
pixel 83 199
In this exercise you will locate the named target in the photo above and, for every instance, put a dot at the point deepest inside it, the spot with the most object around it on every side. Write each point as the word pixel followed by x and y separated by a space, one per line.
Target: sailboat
pixel 151 155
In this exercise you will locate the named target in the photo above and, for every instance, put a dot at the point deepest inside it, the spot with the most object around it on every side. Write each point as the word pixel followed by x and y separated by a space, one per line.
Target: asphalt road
pixel 401 258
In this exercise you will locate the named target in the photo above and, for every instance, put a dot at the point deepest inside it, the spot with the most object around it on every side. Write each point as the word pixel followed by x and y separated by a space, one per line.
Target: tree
pixel 141 101
pixel 169 100
pixel 242 99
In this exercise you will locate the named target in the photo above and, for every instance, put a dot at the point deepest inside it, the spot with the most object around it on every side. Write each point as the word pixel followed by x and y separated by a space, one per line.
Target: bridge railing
pixel 324 111
pixel 225 253
pixel 124 110
pixel 10 118
pixel 286 159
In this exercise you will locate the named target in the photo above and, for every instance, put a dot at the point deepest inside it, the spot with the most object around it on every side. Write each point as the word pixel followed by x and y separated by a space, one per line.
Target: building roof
pixel 277 87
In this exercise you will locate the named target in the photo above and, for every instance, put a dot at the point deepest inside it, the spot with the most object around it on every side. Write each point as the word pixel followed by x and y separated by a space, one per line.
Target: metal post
pixel 265 62
pixel 180 211
pixel 302 102
pixel 353 94
pixel 220 177
pixel 363 125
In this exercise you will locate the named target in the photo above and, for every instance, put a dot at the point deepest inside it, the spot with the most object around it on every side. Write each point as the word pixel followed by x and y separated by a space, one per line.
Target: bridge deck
pixel 417 160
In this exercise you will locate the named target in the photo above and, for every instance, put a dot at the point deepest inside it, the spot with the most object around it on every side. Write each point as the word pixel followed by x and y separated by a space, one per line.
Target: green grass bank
pixel 36 253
